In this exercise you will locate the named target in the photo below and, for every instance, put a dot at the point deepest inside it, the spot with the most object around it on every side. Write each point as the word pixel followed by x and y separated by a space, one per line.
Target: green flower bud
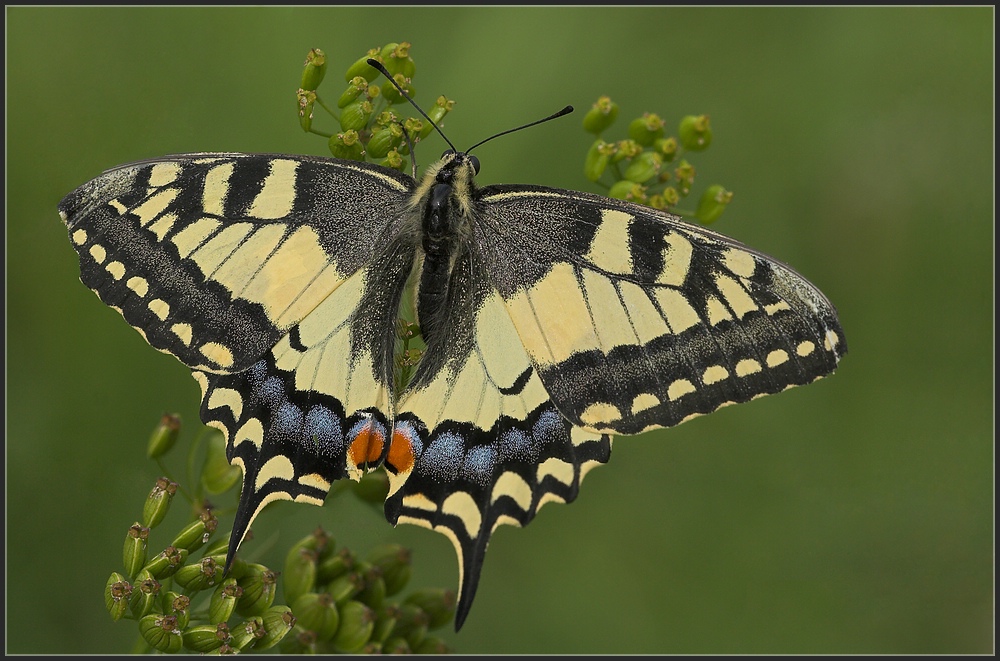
pixel 362 68
pixel 394 561
pixel 134 551
pixel 656 201
pixel 666 147
pixel 336 565
pixel 166 563
pixel 348 146
pixel 164 436
pixel 600 116
pixel 318 613
pixel 193 536
pixel 355 87
pixel 670 196
pixel 412 624
pixel 373 593
pixel 684 173
pixel 396 645
pixel 713 202
pixel 315 69
pixel 412 127
pixel 356 115
pixel 625 149
pixel 259 587
pixel 178 605
pixel 437 113
pixel 217 474
pixel 158 502
pixel 277 622
pixel 646 129
pixel 695 132
pixel 346 586
pixel 394 160
pixel 373 487
pixel 200 575
pixel 144 593
pixel 432 645
pixel 356 624
pixel 391 92
pixel 397 60
pixel 223 602
pixel 246 634
pixel 302 641
pixel 644 167
pixel 305 101
pixel 117 592
pixel 300 572
pixel 385 622
pixel 438 603
pixel 206 638
pixel 385 139
pixel 597 159
pixel 161 632
pixel 628 190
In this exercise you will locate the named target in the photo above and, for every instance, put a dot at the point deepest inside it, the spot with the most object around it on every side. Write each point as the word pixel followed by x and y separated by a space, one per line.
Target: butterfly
pixel 553 320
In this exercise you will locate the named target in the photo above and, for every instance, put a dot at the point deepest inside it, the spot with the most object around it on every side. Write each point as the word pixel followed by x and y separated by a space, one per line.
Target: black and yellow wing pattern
pixel 552 319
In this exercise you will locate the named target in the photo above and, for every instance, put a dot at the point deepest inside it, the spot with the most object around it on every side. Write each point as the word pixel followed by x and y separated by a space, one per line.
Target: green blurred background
pixel 855 515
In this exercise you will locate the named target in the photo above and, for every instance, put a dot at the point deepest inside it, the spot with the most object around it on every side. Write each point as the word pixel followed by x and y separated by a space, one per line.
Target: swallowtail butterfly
pixel 553 320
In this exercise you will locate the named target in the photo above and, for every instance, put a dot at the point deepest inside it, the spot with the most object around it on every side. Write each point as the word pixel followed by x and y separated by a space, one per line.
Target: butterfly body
pixel 553 319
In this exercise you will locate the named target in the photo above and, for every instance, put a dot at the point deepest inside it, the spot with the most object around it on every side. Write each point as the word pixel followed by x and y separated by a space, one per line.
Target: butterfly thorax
pixel 445 200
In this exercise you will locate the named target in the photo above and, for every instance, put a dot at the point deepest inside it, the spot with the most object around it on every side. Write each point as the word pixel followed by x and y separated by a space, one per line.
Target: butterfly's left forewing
pixel 274 278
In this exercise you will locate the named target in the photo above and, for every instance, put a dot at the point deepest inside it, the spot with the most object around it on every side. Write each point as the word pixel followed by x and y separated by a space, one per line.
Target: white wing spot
pixel 599 413
pixel 217 353
pixel 714 374
pixel 747 366
pixel 116 269
pixel 644 401
pixel 777 357
pixel 679 388
pixel 160 308
pixel 805 348
pixel 139 285
pixel 80 237
pixel 98 253
pixel 183 332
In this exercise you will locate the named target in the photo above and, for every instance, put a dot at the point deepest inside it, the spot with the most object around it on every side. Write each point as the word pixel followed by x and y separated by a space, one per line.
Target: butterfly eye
pixel 447 152
pixel 475 163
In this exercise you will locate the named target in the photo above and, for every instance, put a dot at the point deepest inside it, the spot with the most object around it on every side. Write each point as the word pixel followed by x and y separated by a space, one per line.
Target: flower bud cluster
pixel 374 119
pixel 648 167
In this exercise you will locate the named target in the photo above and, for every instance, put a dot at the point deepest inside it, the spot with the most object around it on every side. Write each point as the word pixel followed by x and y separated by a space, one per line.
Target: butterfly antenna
pixel 409 145
pixel 378 65
pixel 565 111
